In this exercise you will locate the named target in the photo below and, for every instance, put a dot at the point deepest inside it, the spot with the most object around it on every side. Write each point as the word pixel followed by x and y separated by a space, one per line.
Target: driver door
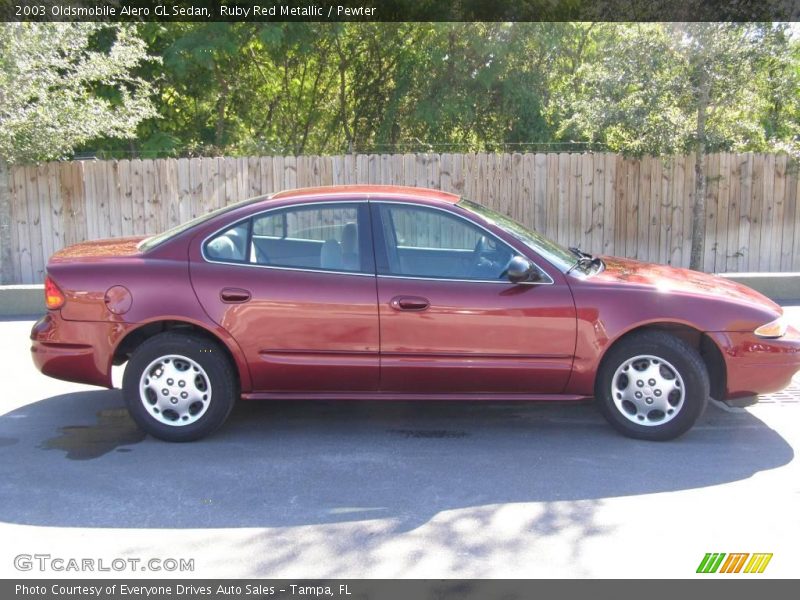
pixel 450 322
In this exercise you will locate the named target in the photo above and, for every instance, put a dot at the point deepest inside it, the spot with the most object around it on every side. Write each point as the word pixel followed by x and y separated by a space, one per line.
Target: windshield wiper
pixel 584 259
pixel 579 253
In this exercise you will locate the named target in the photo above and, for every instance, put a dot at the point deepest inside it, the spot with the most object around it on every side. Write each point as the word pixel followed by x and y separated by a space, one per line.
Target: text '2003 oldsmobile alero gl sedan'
pixel 372 292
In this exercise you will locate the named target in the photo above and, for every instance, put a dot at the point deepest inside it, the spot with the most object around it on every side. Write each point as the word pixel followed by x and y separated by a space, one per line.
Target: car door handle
pixel 409 303
pixel 232 295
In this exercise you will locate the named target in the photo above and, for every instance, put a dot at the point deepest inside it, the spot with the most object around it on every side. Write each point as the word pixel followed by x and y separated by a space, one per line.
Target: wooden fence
pixel 601 202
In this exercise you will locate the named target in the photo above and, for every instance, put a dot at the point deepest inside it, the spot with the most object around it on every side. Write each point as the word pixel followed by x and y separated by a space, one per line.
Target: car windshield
pixel 561 257
pixel 156 240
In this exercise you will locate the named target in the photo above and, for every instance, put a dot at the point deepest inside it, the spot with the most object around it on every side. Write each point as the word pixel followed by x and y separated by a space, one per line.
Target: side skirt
pixel 482 396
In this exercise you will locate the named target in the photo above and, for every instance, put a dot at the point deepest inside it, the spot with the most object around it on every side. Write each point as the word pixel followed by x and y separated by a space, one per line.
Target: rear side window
pixel 306 223
pixel 325 237
pixel 230 245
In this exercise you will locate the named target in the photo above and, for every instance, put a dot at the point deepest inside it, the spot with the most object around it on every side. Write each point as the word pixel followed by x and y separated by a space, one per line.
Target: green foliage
pixel 644 91
pixel 64 84
pixel 665 88
pixel 295 88
pixel 266 88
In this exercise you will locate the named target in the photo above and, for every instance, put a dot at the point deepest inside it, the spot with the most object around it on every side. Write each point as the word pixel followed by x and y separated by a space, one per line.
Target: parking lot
pixel 327 489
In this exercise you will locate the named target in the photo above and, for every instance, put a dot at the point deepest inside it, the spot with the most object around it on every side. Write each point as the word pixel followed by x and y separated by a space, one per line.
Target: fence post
pixel 6 254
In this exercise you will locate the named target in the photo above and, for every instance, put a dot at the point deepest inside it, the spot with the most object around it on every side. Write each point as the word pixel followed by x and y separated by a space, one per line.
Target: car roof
pixel 367 191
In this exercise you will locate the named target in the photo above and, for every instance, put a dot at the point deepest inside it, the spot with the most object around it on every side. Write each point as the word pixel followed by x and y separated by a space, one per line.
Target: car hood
pixel 685 281
pixel 108 248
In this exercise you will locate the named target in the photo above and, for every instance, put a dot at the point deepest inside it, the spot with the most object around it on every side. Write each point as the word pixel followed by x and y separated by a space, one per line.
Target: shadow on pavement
pixel 77 460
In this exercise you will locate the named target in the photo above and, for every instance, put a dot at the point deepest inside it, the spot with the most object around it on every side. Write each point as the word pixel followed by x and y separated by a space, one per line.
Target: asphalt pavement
pixel 395 489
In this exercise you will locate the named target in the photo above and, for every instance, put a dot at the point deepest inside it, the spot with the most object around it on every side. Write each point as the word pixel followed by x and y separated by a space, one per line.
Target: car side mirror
pixel 521 269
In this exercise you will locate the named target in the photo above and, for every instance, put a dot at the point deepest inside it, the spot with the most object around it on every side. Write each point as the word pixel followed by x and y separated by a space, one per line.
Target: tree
pixel 670 88
pixel 64 84
pixel 300 88
pixel 61 85
pixel 238 88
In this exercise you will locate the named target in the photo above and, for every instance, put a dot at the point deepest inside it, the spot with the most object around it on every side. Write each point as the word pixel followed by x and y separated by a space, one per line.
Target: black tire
pixel 216 374
pixel 676 356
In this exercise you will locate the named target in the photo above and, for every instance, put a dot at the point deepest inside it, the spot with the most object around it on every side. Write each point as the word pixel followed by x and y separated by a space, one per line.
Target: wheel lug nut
pixel 170 381
pixel 640 383
pixel 182 383
pixel 165 391
pixel 638 394
pixel 174 400
pixel 652 382
pixel 648 400
pixel 184 395
pixel 657 393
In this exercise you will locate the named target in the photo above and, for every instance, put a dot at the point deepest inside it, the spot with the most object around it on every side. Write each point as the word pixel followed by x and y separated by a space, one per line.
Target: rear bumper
pixel 77 351
pixel 755 365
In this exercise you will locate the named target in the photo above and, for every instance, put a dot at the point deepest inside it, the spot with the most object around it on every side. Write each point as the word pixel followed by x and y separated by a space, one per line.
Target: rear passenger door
pixel 295 286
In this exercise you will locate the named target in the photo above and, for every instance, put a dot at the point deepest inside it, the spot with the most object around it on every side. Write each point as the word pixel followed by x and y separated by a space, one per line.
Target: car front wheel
pixel 652 386
pixel 179 387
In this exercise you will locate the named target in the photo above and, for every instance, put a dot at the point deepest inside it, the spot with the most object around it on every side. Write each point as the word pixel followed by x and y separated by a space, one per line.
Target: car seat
pixel 330 255
pixel 350 259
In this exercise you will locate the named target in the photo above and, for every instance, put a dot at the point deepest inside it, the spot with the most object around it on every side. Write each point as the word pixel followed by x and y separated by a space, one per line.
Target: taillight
pixel 53 296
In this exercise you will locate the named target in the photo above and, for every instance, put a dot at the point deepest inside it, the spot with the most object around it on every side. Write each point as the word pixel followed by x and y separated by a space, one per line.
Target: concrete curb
pixel 778 286
pixel 21 301
pixel 28 300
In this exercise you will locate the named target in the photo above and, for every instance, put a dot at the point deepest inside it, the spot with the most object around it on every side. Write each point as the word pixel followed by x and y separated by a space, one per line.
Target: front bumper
pixel 756 365
pixel 77 351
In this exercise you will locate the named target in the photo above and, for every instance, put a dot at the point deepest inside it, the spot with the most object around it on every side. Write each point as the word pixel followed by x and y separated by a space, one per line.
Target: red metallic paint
pixel 375 192
pixel 301 330
pixel 476 337
pixel 672 280
pixel 159 288
pixel 323 335
pixel 631 294
pixel 74 350
pixel 406 396
pixel 756 365
pixel 118 299
pixel 100 249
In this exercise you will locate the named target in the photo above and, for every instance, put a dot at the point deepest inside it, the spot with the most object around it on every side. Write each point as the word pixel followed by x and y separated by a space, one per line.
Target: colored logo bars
pixel 713 562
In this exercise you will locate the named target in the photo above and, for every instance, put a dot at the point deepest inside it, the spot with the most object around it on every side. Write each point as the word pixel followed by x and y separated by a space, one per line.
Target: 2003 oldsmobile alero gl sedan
pixel 392 293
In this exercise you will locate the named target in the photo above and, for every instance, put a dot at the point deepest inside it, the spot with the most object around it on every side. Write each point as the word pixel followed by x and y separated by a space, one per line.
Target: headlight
pixel 773 329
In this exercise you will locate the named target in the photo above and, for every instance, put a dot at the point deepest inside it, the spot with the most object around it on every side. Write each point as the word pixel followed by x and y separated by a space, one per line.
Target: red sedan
pixel 392 293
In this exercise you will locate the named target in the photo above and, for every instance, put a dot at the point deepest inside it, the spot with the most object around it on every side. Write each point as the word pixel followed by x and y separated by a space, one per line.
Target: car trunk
pixel 98 249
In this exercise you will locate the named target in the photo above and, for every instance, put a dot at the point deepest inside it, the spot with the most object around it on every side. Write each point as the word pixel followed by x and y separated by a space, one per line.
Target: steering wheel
pixel 484 265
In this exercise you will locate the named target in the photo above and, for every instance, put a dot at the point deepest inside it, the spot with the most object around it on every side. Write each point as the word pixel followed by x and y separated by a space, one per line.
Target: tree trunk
pixel 699 209
pixel 343 108
pixel 6 251
pixel 343 64
pixel 219 127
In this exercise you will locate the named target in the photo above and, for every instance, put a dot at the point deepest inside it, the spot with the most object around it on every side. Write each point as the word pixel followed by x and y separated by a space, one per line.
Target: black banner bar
pixel 399 10
pixel 382 589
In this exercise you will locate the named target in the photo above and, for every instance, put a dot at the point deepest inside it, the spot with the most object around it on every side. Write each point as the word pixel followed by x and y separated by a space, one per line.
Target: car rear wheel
pixel 652 386
pixel 179 387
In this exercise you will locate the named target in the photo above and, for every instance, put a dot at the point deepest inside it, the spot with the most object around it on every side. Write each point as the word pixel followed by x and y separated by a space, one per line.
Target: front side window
pixel 430 243
pixel 322 237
